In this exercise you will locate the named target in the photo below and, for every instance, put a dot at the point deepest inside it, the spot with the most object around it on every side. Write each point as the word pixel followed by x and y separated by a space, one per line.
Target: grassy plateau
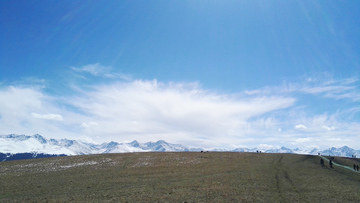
pixel 179 177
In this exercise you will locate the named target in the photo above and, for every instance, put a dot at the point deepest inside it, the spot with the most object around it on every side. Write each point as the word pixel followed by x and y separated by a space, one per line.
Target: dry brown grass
pixel 178 177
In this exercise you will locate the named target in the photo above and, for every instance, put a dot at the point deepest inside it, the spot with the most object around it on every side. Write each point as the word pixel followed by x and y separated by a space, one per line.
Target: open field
pixel 179 177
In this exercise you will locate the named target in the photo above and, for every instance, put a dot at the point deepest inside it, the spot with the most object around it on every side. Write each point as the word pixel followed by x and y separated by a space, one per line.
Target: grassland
pixel 179 177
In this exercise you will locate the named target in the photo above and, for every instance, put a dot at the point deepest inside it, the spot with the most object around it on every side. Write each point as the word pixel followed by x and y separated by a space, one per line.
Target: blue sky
pixel 201 73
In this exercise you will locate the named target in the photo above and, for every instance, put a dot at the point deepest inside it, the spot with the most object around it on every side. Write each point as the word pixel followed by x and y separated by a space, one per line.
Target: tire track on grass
pixel 276 162
pixel 284 183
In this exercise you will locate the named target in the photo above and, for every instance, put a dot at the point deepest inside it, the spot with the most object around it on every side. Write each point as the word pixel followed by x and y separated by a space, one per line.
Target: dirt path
pixel 347 167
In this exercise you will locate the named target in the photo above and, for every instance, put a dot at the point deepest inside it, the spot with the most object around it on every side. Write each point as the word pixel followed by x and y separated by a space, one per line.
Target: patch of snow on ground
pixel 80 164
pixel 55 165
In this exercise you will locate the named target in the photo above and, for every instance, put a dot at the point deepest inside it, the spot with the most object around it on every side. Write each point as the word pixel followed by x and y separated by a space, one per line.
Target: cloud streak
pixel 101 71
pixel 328 88
pixel 55 117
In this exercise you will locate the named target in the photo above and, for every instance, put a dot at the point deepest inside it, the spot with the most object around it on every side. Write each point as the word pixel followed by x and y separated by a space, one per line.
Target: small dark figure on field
pixel 257 151
pixel 322 162
pixel 354 167
pixel 330 163
pixel 357 167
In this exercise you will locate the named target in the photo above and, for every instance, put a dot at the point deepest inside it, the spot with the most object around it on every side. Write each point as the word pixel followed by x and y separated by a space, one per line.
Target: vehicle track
pixel 284 183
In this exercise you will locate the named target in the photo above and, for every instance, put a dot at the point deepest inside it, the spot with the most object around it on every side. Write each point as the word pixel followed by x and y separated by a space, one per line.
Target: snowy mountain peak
pixel 86 139
pixel 161 142
pixel 38 144
pixel 41 139
pixel 136 144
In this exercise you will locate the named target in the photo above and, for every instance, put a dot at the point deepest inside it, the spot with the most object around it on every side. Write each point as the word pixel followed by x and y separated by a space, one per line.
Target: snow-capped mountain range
pixel 36 144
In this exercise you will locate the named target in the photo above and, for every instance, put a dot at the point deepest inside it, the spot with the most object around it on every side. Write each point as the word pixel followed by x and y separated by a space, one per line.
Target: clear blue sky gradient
pixel 228 47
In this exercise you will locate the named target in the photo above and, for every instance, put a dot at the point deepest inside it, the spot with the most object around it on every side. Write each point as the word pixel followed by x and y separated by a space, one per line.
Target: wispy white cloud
pixel 94 69
pixel 354 96
pixel 101 71
pixel 337 89
pixel 348 81
pixel 326 87
pixel 285 88
pixel 322 89
pixel 56 117
pixel 335 139
pixel 87 125
pixel 329 128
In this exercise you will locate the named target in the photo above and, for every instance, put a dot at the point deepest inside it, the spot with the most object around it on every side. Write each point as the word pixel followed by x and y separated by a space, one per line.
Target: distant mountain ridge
pixel 18 156
pixel 36 144
pixel 341 151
